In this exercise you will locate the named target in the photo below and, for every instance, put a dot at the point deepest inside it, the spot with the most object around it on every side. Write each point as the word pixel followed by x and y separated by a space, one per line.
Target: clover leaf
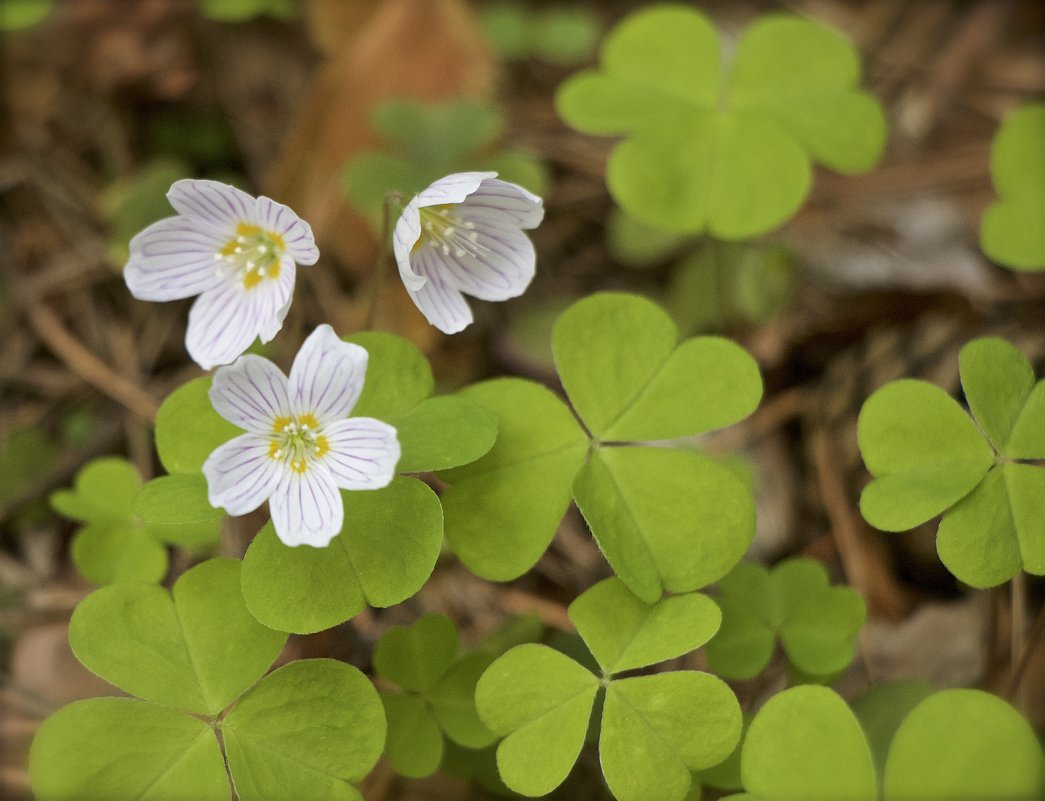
pixel 122 540
pixel 955 745
pixel 815 623
pixel 188 429
pixel 628 378
pixel 305 731
pixel 623 632
pixel 727 153
pixel 386 551
pixel 120 748
pixel 195 648
pixel 928 457
pixel 654 730
pixel 1011 232
pixel 427 142
pixel 310 727
pixel 439 697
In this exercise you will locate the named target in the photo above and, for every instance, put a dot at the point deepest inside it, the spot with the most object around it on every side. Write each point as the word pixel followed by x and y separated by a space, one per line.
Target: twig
pixel 88 366
pixel 1018 626
pixel 1031 642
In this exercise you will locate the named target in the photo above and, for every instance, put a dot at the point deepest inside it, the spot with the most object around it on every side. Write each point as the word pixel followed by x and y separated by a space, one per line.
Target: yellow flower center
pixel 297 441
pixel 441 229
pixel 252 255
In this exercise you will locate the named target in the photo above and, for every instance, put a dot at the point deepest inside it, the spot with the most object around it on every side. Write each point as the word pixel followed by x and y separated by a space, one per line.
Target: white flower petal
pixel 213 203
pixel 173 259
pixel 452 189
pixel 507 201
pixel 296 233
pixel 307 508
pixel 504 267
pixel 363 453
pixel 223 322
pixel 404 237
pixel 272 299
pixel 250 393
pixel 438 299
pixel 327 376
pixel 241 475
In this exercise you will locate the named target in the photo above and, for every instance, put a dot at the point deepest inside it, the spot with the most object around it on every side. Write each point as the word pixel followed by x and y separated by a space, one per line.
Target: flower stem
pixel 384 258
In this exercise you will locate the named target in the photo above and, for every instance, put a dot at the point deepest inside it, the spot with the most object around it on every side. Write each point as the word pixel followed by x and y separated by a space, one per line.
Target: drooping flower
pixel 237 252
pixel 300 446
pixel 463 235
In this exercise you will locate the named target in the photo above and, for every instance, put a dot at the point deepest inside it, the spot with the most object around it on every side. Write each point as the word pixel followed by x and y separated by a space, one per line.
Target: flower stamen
pixel 297 441
pixel 449 234
pixel 252 256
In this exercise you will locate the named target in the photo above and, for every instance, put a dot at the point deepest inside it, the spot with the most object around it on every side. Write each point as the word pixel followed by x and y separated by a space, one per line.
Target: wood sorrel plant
pixel 726 154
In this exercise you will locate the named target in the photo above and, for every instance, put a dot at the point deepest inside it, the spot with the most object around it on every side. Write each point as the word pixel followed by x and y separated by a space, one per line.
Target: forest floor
pixel 888 281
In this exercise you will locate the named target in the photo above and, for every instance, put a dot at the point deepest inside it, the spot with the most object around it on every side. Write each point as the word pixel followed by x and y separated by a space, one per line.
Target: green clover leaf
pixel 727 154
pixel 439 695
pixel 623 632
pixel 435 433
pixel 1011 232
pixel 502 510
pixel 305 731
pixel 657 730
pixel 816 624
pixel 540 701
pixel 188 429
pixel 954 745
pixel 929 458
pixel 654 730
pixel 195 648
pixel 648 510
pixel 386 551
pixel 123 540
pixel 806 743
pixel 126 749
pixel 309 728
pixel 628 378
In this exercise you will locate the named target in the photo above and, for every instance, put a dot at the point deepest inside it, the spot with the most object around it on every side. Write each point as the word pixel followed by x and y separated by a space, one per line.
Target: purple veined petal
pixel 296 233
pixel 452 189
pixel 307 508
pixel 223 322
pixel 327 376
pixel 272 299
pixel 173 259
pixel 439 300
pixel 505 200
pixel 218 205
pixel 363 453
pixel 504 267
pixel 241 475
pixel 404 236
pixel 250 393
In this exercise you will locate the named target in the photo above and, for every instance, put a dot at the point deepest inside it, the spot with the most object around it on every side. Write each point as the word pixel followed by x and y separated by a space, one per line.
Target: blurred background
pixel 327 104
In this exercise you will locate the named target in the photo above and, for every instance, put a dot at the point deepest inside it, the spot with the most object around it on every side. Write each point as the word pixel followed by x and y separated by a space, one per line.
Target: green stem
pixel 393 202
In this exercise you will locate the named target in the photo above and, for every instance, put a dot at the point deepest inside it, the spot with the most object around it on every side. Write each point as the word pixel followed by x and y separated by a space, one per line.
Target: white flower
pixel 462 234
pixel 299 446
pixel 238 253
